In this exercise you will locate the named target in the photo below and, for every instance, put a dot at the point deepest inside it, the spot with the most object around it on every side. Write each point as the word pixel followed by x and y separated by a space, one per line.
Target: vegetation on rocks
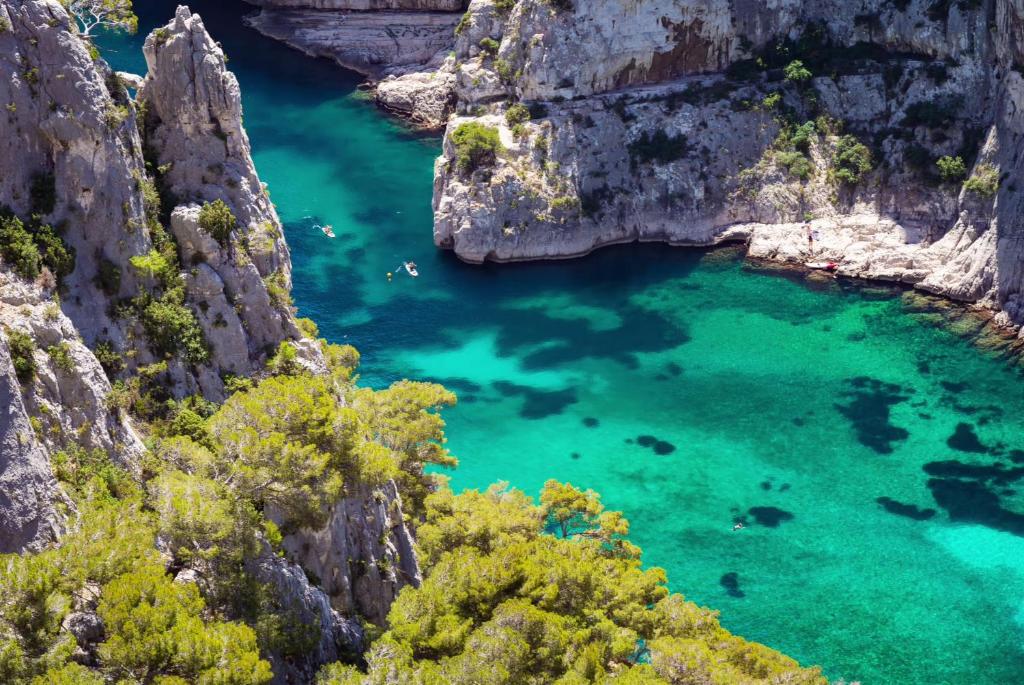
pixel 29 247
pixel 476 146
pixel 504 602
pixel 951 169
pixel 22 349
pixel 984 181
pixel 852 160
pixel 290 444
pixel 216 219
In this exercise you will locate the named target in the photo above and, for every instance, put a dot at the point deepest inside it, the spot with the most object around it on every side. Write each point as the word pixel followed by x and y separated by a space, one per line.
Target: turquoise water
pixel 870 452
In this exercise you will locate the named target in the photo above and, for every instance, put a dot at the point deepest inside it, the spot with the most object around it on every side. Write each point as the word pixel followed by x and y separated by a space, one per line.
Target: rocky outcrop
pixel 372 43
pixel 67 394
pixel 404 44
pixel 364 555
pixel 425 98
pixel 71 155
pixel 28 491
pixel 301 601
pixel 654 121
pixel 194 125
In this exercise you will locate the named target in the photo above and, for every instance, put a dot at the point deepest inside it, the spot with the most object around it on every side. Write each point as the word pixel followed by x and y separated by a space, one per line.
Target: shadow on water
pixel 868 409
pixel 539 337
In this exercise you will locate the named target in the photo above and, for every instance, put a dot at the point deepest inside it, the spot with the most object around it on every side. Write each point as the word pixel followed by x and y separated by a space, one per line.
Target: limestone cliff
pixel 677 122
pixel 402 44
pixel 124 182
pixel 364 555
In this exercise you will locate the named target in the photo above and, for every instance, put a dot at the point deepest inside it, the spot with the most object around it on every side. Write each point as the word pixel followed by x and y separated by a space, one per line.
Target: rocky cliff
pixel 403 44
pixel 117 293
pixel 684 122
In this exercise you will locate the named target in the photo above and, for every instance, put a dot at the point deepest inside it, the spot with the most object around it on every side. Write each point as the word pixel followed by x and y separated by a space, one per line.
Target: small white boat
pixel 410 268
pixel 328 231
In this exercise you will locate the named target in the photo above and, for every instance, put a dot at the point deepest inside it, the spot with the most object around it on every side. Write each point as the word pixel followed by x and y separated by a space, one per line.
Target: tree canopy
pixel 503 602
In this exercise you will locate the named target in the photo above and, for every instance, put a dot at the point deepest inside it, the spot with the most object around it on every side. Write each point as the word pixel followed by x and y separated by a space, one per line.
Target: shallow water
pixel 870 452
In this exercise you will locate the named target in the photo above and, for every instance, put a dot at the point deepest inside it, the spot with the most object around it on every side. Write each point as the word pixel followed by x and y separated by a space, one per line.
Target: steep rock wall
pixel 914 81
pixel 71 153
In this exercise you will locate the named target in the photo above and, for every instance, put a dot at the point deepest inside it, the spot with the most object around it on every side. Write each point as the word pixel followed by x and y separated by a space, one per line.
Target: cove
pixel 876 460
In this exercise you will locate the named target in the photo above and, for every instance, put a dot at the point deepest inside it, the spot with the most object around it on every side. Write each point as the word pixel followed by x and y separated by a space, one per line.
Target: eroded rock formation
pixel 676 122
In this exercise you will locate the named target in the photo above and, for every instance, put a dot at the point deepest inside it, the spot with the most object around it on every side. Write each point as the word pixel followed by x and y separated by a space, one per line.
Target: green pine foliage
pixel 216 219
pixel 476 146
pixel 513 592
pixel 503 602
pixel 22 348
pixel 852 160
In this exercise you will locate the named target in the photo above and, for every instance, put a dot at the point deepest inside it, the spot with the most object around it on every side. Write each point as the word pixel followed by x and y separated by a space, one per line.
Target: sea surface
pixel 872 454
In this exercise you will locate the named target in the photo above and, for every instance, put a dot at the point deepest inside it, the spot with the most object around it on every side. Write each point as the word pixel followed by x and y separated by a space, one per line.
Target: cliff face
pixel 364 555
pixel 405 44
pixel 676 121
pixel 124 182
pixel 362 37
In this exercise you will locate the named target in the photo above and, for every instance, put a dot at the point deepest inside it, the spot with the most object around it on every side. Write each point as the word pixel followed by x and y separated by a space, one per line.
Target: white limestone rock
pixel 364 555
pixel 424 98
pixel 372 43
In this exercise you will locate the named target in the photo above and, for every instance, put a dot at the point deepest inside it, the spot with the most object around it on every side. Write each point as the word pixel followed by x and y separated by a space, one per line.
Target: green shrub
pixel 772 100
pixel 796 72
pixel 171 327
pixel 277 289
pixel 565 204
pixel 852 160
pixel 984 181
pixel 951 169
pixel 108 277
pixel 489 46
pixel 464 23
pixel 308 327
pixel 476 146
pixel 17 247
pixel 216 219
pixel 115 115
pixel 154 264
pixel 517 114
pixel 504 71
pixel 803 136
pixel 60 355
pixel 796 163
pixel 56 255
pixel 504 7
pixel 22 348
pixel 108 357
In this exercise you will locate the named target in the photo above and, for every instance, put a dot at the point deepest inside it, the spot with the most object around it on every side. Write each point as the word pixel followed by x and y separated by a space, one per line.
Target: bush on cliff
pixel 17 247
pixel 22 348
pixel 951 169
pixel 984 181
pixel 851 161
pixel 216 219
pixel 476 146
